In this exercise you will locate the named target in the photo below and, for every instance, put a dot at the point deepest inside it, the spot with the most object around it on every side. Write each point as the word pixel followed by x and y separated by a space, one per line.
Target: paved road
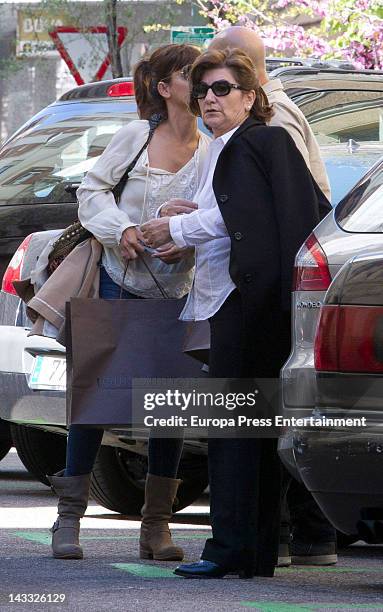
pixel 111 578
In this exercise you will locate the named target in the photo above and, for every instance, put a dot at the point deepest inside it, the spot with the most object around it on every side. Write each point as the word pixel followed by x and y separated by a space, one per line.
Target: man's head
pixel 247 40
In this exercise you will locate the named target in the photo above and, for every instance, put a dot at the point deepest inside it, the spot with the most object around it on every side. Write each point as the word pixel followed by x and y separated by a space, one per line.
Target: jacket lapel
pixel 247 124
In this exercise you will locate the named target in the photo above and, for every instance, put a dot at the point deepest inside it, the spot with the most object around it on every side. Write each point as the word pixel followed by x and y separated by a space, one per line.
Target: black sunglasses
pixel 219 89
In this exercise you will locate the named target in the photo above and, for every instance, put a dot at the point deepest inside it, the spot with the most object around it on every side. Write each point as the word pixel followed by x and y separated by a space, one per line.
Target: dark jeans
pixel 245 475
pixel 84 442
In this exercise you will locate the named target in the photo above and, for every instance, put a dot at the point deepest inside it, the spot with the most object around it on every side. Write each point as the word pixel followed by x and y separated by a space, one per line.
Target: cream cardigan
pixel 146 189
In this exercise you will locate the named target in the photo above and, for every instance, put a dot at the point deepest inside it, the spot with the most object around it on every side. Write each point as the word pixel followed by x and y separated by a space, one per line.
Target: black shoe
pixel 201 569
pixel 321 553
pixel 209 569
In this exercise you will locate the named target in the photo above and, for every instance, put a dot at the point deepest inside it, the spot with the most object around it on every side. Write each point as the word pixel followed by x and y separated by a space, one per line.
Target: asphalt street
pixel 112 578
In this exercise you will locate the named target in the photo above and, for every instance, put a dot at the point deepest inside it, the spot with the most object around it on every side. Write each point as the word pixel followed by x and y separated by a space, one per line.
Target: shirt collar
pixel 226 136
pixel 272 85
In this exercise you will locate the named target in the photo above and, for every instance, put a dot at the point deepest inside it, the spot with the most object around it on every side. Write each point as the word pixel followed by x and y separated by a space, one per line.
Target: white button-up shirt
pixel 206 231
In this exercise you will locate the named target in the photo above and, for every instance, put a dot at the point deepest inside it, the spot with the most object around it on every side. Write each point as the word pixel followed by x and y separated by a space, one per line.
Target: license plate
pixel 48 372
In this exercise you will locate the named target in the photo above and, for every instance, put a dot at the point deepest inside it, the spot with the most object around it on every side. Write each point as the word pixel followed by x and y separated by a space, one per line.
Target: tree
pixel 114 51
pixel 343 29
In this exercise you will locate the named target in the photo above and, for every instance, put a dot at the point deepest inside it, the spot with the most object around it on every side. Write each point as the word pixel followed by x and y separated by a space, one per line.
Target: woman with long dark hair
pixel 169 167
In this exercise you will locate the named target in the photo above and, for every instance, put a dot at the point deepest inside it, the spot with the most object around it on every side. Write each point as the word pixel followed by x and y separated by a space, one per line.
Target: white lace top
pixel 146 189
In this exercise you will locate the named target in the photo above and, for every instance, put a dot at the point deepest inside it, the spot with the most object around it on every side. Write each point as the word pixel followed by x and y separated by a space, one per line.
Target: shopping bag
pixel 112 342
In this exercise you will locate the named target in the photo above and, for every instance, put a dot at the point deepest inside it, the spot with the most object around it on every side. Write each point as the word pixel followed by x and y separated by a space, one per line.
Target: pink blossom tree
pixel 340 29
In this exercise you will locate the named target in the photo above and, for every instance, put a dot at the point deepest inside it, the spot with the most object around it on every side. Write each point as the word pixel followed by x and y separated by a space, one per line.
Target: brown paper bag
pixel 111 342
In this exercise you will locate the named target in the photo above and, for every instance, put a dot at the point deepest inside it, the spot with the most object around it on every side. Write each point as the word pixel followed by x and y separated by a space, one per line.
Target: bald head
pixel 248 41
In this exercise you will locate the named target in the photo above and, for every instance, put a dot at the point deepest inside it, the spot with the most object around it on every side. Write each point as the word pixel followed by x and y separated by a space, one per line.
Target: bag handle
pixel 117 190
pixel 161 289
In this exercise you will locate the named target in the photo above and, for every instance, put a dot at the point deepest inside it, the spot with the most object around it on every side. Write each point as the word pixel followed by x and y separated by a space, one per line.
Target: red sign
pixel 85 51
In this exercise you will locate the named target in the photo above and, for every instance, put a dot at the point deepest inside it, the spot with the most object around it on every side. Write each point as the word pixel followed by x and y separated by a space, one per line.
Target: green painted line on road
pixel 145 571
pixel 280 606
pixel 40 538
pixel 45 538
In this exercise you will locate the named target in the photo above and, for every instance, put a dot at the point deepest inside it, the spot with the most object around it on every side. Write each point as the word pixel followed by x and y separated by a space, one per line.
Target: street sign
pixel 33 25
pixel 192 35
pixel 85 51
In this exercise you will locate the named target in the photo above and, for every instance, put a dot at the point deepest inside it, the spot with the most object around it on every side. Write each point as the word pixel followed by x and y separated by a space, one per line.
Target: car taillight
pixel 349 339
pixel 15 266
pixel 121 89
pixel 311 272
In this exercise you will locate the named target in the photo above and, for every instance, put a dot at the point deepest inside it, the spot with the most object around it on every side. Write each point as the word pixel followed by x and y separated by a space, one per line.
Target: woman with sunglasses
pixel 168 167
pixel 257 203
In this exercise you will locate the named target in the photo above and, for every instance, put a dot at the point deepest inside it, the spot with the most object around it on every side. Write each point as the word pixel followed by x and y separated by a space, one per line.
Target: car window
pixel 37 165
pixel 337 116
pixel 362 209
pixel 346 168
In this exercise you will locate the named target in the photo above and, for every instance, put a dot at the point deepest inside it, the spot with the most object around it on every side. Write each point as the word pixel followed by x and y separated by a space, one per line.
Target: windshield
pixel 41 163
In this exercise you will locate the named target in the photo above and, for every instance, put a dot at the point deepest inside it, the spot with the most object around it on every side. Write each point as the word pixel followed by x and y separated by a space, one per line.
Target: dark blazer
pixel 270 204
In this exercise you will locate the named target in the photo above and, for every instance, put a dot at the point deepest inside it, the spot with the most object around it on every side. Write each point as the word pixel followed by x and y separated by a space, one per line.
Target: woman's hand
pixel 171 254
pixel 156 232
pixel 176 206
pixel 130 246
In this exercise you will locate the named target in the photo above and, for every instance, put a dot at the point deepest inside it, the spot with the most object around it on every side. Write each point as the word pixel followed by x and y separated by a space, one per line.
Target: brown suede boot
pixel 73 493
pixel 155 537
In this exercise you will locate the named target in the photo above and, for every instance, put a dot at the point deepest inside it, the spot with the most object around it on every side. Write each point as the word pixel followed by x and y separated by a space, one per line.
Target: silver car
pixel 329 458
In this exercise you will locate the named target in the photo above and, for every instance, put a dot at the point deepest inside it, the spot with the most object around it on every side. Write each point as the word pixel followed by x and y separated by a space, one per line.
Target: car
pixel 348 357
pixel 40 169
pixel 43 162
pixel 335 366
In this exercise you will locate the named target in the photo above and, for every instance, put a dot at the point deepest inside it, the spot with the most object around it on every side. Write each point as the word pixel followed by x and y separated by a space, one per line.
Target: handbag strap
pixel 154 122
pixel 161 289
pixel 117 190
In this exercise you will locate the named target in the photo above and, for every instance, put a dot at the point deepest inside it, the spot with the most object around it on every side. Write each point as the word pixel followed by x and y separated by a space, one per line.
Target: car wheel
pixel 5 438
pixel 344 539
pixel 118 480
pixel 42 452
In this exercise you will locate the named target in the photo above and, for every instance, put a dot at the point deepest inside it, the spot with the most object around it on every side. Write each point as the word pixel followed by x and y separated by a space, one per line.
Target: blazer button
pixel 238 236
pixel 248 278
pixel 223 197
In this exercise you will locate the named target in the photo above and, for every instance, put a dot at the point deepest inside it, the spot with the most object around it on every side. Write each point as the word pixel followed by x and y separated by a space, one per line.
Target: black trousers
pixel 245 474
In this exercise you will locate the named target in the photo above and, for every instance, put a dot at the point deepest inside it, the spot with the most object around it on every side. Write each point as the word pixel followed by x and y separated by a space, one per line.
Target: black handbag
pixel 76 233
